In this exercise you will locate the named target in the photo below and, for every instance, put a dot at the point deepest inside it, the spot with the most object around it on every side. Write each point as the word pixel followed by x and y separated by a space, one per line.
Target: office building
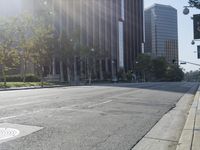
pixel 113 28
pixel 161 32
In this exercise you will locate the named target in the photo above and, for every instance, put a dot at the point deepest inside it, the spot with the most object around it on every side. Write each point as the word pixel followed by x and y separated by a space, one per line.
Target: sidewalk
pixel 190 137
pixel 165 135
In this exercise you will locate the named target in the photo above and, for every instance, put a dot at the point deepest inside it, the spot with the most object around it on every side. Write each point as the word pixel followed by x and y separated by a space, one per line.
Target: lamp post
pixel 186 11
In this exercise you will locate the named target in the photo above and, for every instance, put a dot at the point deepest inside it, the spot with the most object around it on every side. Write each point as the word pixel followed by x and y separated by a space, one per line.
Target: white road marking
pixel 71 108
pixel 24 114
pixel 22 104
pixel 98 104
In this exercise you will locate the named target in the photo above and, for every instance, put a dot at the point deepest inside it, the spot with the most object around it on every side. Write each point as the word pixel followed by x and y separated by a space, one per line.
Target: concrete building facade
pixel 114 28
pixel 161 32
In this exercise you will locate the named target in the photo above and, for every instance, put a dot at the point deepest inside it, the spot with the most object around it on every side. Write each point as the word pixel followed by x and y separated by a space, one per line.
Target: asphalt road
pixel 106 117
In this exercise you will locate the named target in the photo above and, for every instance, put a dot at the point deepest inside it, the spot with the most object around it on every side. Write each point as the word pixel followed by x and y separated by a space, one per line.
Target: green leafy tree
pixel 25 40
pixel 87 55
pixel 174 73
pixel 42 51
pixel 66 54
pixel 195 3
pixel 76 46
pixel 9 56
pixel 159 68
pixel 192 76
pixel 144 66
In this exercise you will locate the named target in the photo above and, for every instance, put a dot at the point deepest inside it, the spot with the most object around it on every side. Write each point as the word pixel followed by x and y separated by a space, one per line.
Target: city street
pixel 101 117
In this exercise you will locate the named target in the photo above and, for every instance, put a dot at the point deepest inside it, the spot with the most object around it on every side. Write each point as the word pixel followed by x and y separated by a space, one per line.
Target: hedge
pixel 19 78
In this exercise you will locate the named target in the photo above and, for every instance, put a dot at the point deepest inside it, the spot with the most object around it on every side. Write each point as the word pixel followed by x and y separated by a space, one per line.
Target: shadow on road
pixel 177 87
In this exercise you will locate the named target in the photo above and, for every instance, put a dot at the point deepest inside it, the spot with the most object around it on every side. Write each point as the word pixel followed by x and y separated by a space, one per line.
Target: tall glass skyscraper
pixel 161 32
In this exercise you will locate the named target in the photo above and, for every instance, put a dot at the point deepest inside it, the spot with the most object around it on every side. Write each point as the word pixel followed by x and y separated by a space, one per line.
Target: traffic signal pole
pixel 186 62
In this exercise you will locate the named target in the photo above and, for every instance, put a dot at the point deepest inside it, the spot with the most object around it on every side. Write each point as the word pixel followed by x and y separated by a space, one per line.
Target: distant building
pixel 161 32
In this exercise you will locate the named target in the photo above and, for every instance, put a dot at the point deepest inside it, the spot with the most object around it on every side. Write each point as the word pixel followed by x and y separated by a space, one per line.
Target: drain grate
pixel 6 133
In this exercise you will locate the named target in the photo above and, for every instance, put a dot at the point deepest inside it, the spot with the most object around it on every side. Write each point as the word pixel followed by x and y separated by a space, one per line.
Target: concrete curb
pixel 166 133
pixel 30 88
pixel 190 136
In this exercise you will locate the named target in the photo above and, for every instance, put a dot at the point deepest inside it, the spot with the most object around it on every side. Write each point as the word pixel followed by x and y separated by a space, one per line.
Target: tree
pixel 192 76
pixel 42 51
pixel 144 66
pixel 87 55
pixel 9 56
pixel 195 3
pixel 174 73
pixel 65 54
pixel 159 68
pixel 25 41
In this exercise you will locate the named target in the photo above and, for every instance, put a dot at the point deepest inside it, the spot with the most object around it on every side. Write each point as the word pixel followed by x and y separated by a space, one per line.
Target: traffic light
pixel 198 51
pixel 196 21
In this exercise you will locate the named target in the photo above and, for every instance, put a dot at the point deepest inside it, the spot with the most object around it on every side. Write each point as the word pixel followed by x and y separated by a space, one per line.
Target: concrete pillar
pixel 106 65
pixel 94 68
pixel 101 69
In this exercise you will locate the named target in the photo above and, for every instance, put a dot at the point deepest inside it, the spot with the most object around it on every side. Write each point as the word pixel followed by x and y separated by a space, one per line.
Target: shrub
pixel 32 78
pixel 19 78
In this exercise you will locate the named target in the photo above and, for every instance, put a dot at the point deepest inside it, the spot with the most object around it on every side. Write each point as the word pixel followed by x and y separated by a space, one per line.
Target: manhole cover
pixel 6 133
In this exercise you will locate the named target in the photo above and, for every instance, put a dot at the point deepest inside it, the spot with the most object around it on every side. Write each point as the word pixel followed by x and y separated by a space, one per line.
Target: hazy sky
pixel 185 26
pixel 10 7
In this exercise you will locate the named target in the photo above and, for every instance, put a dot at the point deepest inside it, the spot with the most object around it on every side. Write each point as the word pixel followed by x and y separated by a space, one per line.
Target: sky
pixel 9 9
pixel 187 52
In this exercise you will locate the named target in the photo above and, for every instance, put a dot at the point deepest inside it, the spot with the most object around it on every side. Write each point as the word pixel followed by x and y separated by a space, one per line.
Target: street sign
pixel 198 51
pixel 196 19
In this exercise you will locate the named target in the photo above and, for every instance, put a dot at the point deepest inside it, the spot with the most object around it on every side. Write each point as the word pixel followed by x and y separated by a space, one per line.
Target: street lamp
pixel 186 11
pixel 192 4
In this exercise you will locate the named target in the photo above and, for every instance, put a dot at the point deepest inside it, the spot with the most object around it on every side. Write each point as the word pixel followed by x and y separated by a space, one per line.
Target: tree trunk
pixel 61 72
pixel 82 70
pixel 42 77
pixel 144 76
pixel 50 68
pixel 94 68
pixel 106 65
pixel 4 76
pixel 89 71
pixel 101 69
pixel 24 74
pixel 86 69
pixel 68 72
pixel 75 70
pixel 53 67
